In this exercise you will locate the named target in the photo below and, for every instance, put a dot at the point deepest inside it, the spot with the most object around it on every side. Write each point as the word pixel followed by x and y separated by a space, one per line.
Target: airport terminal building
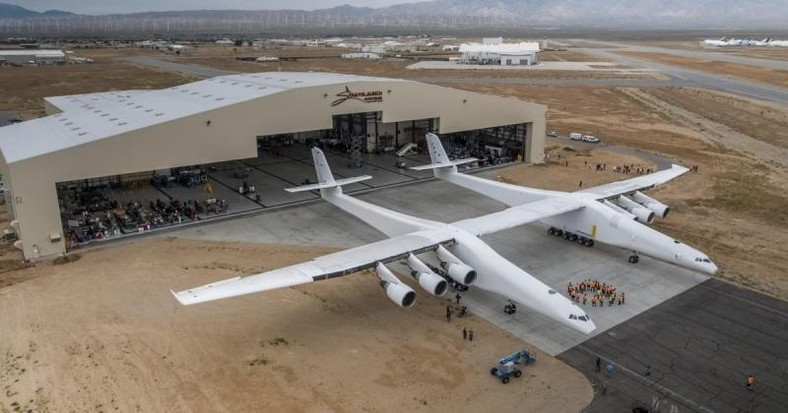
pixel 111 164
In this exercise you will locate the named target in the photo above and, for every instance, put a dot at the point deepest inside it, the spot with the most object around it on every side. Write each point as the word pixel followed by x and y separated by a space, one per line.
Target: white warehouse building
pixel 504 54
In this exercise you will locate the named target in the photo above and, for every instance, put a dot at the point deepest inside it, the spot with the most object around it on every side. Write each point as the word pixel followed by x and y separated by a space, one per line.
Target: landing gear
pixel 555 231
pixel 510 308
pixel 633 259
pixel 588 242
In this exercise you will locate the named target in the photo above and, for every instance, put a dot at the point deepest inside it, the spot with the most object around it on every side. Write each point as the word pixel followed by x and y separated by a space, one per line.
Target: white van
pixel 575 136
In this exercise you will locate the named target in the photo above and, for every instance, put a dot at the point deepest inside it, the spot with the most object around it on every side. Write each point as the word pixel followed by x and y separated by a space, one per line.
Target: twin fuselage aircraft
pixel 438 253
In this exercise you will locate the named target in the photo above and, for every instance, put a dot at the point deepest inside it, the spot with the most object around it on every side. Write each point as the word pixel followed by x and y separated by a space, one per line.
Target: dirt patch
pixel 567 56
pixel 733 70
pixel 105 334
pixel 763 122
pixel 25 87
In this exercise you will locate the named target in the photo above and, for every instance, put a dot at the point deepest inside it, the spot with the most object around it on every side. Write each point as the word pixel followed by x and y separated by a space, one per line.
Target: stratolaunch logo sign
pixel 366 97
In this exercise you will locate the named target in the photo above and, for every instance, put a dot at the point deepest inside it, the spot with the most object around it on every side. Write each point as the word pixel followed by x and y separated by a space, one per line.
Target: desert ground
pixel 100 332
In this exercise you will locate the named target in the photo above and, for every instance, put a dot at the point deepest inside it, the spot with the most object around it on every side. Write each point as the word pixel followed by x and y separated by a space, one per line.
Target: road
pixel 696 54
pixel 696 78
pixel 167 64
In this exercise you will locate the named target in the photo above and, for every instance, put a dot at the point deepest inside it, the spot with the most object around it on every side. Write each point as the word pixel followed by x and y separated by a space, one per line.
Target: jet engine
pixel 618 209
pixel 642 214
pixel 457 270
pixel 401 294
pixel 659 208
pixel 428 280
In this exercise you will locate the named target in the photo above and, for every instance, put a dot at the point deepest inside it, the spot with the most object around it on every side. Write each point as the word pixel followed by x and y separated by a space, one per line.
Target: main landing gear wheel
pixel 517 373
pixel 551 231
pixel 589 243
pixel 494 371
pixel 633 259
pixel 505 380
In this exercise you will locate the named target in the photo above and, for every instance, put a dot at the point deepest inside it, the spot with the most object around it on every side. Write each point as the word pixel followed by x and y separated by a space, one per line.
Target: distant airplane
pixel 586 216
pixel 727 41
pixel 463 258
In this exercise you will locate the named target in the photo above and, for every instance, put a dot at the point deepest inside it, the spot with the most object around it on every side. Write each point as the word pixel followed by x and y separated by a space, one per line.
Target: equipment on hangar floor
pixel 506 365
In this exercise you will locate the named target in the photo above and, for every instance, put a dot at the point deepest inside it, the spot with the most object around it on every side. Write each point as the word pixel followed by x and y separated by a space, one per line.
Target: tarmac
pixel 701 336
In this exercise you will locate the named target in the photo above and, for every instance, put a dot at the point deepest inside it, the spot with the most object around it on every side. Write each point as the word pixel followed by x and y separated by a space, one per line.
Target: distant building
pixel 492 40
pixel 504 54
pixel 26 57
pixel 370 56
pixel 225 42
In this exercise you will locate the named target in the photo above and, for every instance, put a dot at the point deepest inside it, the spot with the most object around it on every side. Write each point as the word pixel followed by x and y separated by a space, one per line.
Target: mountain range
pixel 646 14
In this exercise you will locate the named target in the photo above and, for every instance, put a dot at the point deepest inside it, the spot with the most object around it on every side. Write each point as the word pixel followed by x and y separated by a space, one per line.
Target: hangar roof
pixel 91 117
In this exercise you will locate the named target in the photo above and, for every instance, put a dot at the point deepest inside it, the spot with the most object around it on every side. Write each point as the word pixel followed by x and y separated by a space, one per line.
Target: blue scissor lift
pixel 506 365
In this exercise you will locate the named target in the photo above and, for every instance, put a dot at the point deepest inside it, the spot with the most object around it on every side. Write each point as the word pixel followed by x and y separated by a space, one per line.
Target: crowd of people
pixel 591 291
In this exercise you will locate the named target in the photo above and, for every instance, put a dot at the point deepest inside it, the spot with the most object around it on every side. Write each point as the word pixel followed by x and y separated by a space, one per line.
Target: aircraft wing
pixel 518 215
pixel 636 184
pixel 322 268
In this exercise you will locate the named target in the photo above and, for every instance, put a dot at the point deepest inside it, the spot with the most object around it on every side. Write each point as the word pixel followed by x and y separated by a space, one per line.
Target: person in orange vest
pixel 750 382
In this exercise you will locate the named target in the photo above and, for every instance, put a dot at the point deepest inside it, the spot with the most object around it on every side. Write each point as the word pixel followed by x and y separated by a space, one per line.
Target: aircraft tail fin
pixel 438 157
pixel 325 179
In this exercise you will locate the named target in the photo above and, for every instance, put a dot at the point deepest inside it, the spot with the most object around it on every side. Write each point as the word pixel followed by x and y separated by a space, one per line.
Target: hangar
pixel 106 164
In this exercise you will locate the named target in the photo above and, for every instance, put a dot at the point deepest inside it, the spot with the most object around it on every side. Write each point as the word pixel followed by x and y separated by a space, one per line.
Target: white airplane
pixel 456 247
pixel 587 216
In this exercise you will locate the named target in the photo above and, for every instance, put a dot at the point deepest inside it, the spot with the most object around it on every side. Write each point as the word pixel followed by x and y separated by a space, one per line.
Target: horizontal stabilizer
pixel 443 164
pixel 324 185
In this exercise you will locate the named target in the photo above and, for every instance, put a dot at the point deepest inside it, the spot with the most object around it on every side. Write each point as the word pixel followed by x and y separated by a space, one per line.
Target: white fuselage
pixel 495 273
pixel 602 224
pixel 595 221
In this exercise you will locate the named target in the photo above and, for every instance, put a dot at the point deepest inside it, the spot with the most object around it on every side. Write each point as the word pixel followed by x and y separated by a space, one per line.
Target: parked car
pixel 590 139
pixel 552 133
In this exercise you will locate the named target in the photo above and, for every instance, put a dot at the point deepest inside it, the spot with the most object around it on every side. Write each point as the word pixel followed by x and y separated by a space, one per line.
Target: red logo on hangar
pixel 366 97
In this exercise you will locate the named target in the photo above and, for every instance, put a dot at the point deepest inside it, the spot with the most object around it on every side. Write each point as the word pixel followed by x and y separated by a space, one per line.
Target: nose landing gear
pixel 633 259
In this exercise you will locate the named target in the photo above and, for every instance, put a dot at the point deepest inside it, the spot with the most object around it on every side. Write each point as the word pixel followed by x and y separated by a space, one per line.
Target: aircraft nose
pixel 712 268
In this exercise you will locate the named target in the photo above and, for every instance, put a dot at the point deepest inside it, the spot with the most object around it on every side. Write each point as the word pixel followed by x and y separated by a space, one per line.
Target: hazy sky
pixel 127 6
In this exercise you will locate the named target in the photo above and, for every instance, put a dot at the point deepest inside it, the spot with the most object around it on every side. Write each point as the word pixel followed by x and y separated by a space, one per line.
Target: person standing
pixel 464 333
pixel 448 313
pixel 750 382
pixel 470 335
pixel 458 296
pixel 609 369
pixel 598 365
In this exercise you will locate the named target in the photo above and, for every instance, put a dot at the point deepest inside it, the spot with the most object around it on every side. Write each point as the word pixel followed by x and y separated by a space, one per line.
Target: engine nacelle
pixel 457 270
pixel 401 294
pixel 428 280
pixel 642 214
pixel 618 209
pixel 659 208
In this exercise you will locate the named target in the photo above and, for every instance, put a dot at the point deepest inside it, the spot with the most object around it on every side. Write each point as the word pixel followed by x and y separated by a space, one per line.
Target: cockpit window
pixel 706 260
pixel 581 318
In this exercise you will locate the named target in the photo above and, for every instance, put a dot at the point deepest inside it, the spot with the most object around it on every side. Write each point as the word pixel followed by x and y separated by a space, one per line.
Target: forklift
pixel 506 365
